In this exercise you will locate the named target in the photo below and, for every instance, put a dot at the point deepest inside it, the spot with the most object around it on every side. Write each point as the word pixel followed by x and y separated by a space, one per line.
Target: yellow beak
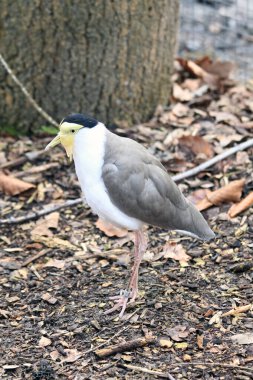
pixel 67 140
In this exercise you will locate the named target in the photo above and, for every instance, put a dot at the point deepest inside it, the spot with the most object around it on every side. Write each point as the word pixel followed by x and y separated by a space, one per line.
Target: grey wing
pixel 138 184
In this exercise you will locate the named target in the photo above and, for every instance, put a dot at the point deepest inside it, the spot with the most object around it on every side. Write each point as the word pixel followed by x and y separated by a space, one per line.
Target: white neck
pixel 89 148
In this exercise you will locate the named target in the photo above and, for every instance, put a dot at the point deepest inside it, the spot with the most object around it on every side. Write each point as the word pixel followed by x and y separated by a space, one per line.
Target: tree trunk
pixel 111 59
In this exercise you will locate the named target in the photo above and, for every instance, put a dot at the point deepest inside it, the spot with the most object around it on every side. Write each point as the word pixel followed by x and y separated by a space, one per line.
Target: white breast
pixel 89 146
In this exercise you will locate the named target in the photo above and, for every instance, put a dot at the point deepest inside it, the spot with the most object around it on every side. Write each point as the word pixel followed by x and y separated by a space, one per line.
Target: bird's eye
pixel 73 131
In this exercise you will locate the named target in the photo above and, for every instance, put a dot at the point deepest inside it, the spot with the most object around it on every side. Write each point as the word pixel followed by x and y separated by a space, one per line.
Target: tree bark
pixel 111 59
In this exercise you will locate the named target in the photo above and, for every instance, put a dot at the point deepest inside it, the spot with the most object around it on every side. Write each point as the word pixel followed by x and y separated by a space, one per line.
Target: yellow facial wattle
pixel 66 138
pixel 67 142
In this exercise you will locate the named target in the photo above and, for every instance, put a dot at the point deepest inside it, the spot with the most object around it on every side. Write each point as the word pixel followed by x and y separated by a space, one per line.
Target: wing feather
pixel 139 185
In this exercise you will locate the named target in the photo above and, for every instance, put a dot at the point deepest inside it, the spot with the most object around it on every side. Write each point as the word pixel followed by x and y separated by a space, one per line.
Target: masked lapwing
pixel 127 186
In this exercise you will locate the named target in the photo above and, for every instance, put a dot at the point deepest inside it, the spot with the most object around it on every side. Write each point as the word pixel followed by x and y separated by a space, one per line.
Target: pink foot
pixel 121 301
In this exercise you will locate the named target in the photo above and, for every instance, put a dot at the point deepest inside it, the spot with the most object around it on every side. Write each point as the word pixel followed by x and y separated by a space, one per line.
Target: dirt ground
pixel 193 314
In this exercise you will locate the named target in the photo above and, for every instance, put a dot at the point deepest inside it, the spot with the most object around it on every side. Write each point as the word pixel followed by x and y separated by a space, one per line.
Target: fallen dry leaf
pixel 54 355
pixel 222 69
pixel 200 341
pixel 245 338
pixel 49 298
pixel 197 195
pixel 229 193
pixel 43 226
pixel 109 229
pixel 72 355
pixel 175 251
pixel 13 186
pixel 55 263
pixel 243 205
pixel 180 110
pixel 197 145
pixel 184 95
pixel 192 67
pixel 44 342
pixel 165 342
pixel 54 242
pixel 178 333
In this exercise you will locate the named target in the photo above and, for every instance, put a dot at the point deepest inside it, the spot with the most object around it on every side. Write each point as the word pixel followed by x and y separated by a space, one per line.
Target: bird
pixel 128 187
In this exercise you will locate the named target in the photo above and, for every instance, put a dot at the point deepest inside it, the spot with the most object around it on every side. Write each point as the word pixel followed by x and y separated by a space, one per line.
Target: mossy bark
pixel 110 59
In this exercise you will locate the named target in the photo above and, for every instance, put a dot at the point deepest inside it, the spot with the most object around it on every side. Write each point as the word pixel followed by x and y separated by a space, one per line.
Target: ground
pixel 57 272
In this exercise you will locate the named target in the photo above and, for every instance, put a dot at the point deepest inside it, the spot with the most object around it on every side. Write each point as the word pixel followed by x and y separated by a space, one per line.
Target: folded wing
pixel 139 185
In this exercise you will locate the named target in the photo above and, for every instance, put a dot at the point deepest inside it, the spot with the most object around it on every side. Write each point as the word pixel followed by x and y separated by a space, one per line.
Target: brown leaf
pixel 49 298
pixel 199 72
pixel 197 195
pixel 243 205
pixel 178 333
pixel 222 69
pixel 72 355
pixel 175 251
pixel 229 193
pixel 180 110
pixel 191 84
pixel 109 229
pixel 13 186
pixel 184 95
pixel 55 263
pixel 54 242
pixel 43 226
pixel 197 145
pixel 44 342
pixel 200 341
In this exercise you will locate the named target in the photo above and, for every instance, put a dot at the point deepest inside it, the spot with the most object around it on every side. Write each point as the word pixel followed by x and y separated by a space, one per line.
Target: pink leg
pixel 140 246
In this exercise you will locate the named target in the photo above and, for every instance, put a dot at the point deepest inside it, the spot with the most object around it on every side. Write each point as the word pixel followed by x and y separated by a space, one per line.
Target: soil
pixel 54 292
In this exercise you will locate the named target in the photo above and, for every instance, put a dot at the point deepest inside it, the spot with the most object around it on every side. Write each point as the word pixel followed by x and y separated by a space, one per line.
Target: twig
pixel 36 169
pixel 214 364
pixel 125 346
pixel 149 371
pixel 214 160
pixel 26 93
pixel 38 214
pixel 29 156
pixel 238 310
pixel 109 340
pixel 35 257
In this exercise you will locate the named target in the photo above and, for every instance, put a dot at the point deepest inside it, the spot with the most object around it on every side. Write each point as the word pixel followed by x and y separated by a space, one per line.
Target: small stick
pixel 238 310
pixel 35 257
pixel 149 371
pixel 214 160
pixel 109 340
pixel 26 93
pixel 36 169
pixel 214 364
pixel 125 346
pixel 29 156
pixel 38 214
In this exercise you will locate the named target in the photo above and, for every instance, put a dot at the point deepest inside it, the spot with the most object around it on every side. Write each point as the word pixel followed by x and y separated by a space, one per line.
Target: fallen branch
pixel 35 257
pixel 38 214
pixel 238 310
pixel 213 364
pixel 125 346
pixel 29 156
pixel 189 173
pixel 109 340
pixel 149 371
pixel 26 93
